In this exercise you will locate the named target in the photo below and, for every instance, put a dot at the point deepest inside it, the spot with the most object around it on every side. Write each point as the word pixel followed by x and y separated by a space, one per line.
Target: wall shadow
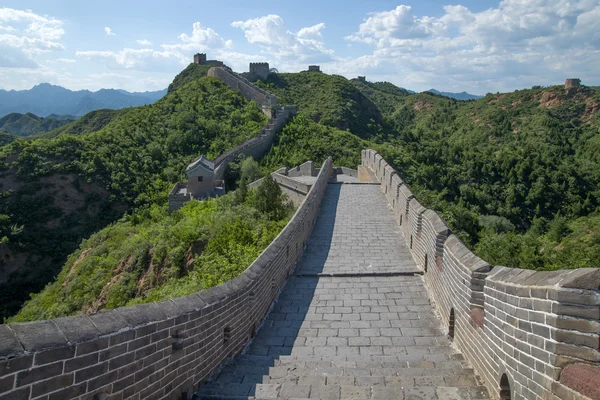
pixel 281 334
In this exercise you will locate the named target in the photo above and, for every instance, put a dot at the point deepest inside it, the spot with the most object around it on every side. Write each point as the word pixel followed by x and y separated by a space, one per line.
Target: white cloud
pixel 136 59
pixel 109 31
pixel 519 43
pixel 63 60
pixel 168 58
pixel 28 35
pixel 312 32
pixel 201 38
pixel 109 75
pixel 271 33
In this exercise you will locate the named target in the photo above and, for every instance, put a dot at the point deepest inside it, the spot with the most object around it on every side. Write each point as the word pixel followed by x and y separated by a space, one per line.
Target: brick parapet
pixel 524 324
pixel 156 350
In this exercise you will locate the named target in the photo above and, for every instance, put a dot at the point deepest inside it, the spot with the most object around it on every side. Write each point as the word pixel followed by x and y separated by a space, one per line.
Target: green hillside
pixel 155 255
pixel 57 192
pixel 29 124
pixel 515 175
pixel 330 100
pixel 91 122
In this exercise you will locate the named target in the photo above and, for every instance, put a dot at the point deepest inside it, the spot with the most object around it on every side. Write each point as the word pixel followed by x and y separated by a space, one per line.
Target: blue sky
pixel 478 46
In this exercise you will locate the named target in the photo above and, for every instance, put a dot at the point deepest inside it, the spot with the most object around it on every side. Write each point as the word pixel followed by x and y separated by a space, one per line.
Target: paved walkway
pixel 344 327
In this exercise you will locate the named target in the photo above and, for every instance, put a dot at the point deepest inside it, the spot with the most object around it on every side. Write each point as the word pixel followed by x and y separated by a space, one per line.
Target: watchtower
pixel 259 70
pixel 200 58
pixel 362 78
pixel 572 83
pixel 314 68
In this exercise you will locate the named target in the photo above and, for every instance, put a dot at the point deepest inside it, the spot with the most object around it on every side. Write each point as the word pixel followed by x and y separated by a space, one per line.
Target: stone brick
pixel 574 311
pixel 7 383
pixel 80 362
pixel 48 356
pixel 13 365
pixel 102 380
pixel 51 385
pixel 91 346
pixel 90 372
pixel 19 394
pixel 39 373
pixel 69 392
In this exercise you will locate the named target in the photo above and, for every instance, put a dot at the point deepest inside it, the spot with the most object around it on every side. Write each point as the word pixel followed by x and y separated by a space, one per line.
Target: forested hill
pixel 515 175
pixel 29 124
pixel 56 192
pixel 327 99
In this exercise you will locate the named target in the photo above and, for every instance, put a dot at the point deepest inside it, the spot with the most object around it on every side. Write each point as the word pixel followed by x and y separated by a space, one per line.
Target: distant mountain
pixel 29 124
pixel 46 99
pixel 457 96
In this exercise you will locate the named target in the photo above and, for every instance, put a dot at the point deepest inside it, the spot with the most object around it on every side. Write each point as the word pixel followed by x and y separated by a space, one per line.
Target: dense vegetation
pixel 29 124
pixel 90 122
pixel 57 192
pixel 303 139
pixel 328 99
pixel 516 176
pixel 155 255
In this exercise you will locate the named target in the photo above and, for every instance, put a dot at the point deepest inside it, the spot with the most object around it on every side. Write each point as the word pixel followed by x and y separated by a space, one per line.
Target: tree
pixel 270 200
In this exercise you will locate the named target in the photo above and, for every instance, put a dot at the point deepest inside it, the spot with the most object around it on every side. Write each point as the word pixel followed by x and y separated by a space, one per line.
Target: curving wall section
pixel 528 334
pixel 260 144
pixel 243 85
pixel 158 350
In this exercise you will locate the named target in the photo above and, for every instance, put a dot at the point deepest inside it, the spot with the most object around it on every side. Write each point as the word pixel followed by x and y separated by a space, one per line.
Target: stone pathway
pixel 354 322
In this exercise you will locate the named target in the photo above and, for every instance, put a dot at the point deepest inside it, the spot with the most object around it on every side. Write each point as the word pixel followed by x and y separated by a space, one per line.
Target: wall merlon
pixel 78 328
pixel 9 343
pixel 38 335
pixel 438 224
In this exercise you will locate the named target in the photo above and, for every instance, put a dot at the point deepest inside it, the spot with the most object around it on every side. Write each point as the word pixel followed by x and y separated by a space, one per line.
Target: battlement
pixel 200 59
pixel 314 68
pixel 362 78
pixel 528 334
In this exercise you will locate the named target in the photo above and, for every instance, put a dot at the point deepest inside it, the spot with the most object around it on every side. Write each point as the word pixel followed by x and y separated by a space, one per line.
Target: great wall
pixel 365 294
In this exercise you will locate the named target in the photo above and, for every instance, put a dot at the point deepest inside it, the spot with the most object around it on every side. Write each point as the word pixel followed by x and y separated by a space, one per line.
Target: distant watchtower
pixel 572 83
pixel 200 58
pixel 362 78
pixel 314 68
pixel 259 70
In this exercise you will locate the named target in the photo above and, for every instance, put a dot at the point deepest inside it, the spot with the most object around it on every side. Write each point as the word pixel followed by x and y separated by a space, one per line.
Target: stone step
pixel 264 362
pixel 342 390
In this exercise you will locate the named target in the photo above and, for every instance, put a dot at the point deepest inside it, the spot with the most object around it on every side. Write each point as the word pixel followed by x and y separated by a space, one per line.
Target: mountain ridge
pixel 46 99
pixel 463 96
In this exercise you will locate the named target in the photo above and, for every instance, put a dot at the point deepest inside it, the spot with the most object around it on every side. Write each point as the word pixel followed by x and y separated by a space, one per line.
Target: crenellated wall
pixel 255 147
pixel 259 145
pixel 244 86
pixel 528 334
pixel 158 350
